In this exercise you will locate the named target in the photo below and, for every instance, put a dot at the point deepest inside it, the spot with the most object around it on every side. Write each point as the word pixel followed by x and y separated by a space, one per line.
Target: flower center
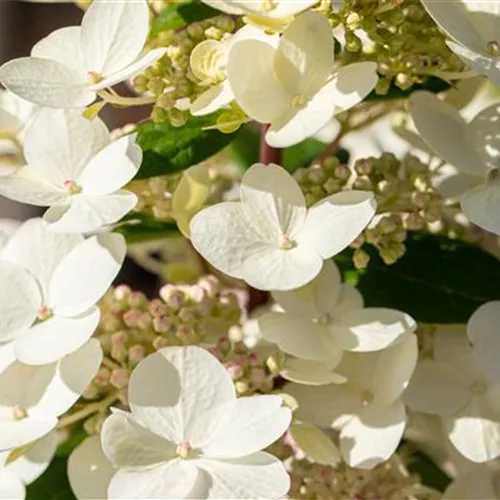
pixel 19 413
pixel 268 5
pixel 478 388
pixel 323 319
pixel 367 398
pixel 184 449
pixel 72 187
pixel 45 313
pixel 493 48
pixel 299 101
pixel 93 77
pixel 287 243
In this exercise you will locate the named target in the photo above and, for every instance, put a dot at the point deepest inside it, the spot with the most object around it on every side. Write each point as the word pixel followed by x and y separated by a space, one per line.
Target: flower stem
pixel 267 153
pixel 87 411
pixel 125 101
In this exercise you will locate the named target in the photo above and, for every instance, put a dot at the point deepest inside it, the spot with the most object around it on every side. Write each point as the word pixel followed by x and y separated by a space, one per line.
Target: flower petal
pixel 45 82
pixel 73 289
pixel 481 205
pixel 371 329
pixel 308 372
pixel 259 475
pixel 436 388
pixel 113 34
pixel 54 338
pixel 316 445
pixel 333 223
pixel 112 168
pixel 248 425
pixel 11 487
pixel 89 213
pixel 89 471
pixel 177 390
pixel 212 99
pixel 281 8
pixel 483 131
pixel 17 433
pixel 445 131
pixel 373 436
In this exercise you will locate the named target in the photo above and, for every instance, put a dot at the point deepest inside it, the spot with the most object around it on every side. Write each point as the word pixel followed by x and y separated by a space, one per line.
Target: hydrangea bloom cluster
pixel 274 358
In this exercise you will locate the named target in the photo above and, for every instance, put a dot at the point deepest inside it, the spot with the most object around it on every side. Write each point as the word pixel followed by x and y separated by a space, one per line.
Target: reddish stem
pixel 267 153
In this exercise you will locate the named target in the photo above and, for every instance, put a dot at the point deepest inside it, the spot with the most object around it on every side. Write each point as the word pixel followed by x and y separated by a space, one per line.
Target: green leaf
pixel 76 438
pixel 141 227
pixel 438 280
pixel 53 484
pixel 168 149
pixel 178 16
pixel 430 474
pixel 432 84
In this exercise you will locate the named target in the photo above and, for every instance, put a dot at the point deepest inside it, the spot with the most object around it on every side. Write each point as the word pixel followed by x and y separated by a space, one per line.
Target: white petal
pixel 475 484
pixel 256 90
pixel 113 34
pixel 62 45
pixel 17 433
pixel 282 8
pixel 50 340
pixel 483 131
pixel 89 213
pixel 475 431
pixel 373 436
pixel 371 329
pixel 333 223
pixel 482 206
pixel 304 58
pixel 482 330
pixel 172 480
pixel 89 471
pixel 350 300
pixel 11 487
pixel 112 168
pixel 273 202
pixel 316 445
pixel 24 246
pixel 20 300
pixel 454 185
pixel 305 371
pixel 47 83
pixel 126 443
pixel 436 388
pixel 445 131
pixel 86 273
pixel 59 143
pixel 248 425
pixel 175 389
pixel 212 100
pixel 255 476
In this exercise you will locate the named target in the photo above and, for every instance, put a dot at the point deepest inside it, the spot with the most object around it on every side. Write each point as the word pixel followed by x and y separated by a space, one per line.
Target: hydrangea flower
pixel 478 483
pixel 32 397
pixel 51 283
pixel 16 475
pixel 70 66
pixel 472 147
pixel 73 166
pixel 454 386
pixel 325 317
pixel 188 436
pixel 367 409
pixel 291 83
pixel 474 28
pixel 269 238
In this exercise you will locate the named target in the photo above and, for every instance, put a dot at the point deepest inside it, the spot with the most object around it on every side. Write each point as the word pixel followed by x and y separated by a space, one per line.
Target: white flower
pixel 208 63
pixel 289 84
pixel 325 317
pixel 474 27
pixel 7 228
pixel 89 471
pixel 67 68
pixel 73 166
pixel 367 409
pixel 50 285
pixel 16 475
pixel 479 483
pixel 189 437
pixel 472 147
pixel 270 239
pixel 453 386
pixel 32 397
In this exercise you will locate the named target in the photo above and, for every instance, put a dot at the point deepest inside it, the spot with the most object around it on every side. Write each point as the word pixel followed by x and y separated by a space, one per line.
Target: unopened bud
pixel 136 353
pixel 119 378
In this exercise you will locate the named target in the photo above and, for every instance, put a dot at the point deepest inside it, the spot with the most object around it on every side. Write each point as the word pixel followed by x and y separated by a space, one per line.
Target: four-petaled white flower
pixel 73 167
pixel 188 436
pixel 50 285
pixel 70 66
pixel 324 318
pixel 474 27
pixel 473 148
pixel 454 386
pixel 270 239
pixel 32 397
pixel 17 474
pixel 367 409
pixel 289 84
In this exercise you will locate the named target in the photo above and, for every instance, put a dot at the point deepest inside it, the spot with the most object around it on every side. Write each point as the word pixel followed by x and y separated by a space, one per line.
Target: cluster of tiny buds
pixel 406 200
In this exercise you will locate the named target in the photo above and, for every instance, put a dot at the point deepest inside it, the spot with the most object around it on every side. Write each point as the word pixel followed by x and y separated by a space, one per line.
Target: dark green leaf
pixel 180 15
pixel 438 280
pixel 430 474
pixel 432 84
pixel 75 439
pixel 140 227
pixel 52 484
pixel 168 149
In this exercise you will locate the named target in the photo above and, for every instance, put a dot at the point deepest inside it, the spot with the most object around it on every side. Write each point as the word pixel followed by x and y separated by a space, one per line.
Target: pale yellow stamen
pixel 19 413
pixel 299 101
pixel 268 5
pixel 322 320
pixel 367 398
pixel 493 48
pixel 287 243
pixel 184 449
pixel 44 313
pixel 72 187
pixel 93 77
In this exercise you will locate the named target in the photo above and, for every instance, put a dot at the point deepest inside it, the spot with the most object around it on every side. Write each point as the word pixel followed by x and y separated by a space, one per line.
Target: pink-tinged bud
pixel 210 284
pixel 19 413
pixel 257 376
pixel 102 377
pixel 121 292
pixel 173 297
pixel 144 321
pixel 253 359
pixel 131 318
pixel 91 392
pixel 119 378
pixel 157 307
pixel 186 315
pixel 160 343
pixel 137 299
pixel 136 354
pixel 235 370
pixel 119 338
pixel 45 313
pixel 163 324
pixel 183 449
